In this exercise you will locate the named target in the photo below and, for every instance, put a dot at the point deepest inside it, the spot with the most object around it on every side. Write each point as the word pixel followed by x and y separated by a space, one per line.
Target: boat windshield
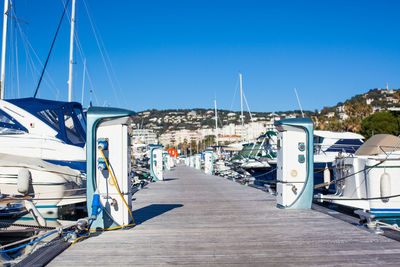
pixel 66 118
pixel 51 117
pixel 70 124
pixel 71 128
pixel 9 126
pixel 81 117
pixel 345 145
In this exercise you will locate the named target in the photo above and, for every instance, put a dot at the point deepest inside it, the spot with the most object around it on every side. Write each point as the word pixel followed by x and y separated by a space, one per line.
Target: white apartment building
pixel 179 137
pixel 144 136
pixel 229 138
pixel 255 129
pixel 249 131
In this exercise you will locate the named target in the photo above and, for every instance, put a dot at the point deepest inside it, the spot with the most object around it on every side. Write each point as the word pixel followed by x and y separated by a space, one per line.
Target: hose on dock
pixel 95 213
pixel 30 243
pixel 119 192
pixel 96 203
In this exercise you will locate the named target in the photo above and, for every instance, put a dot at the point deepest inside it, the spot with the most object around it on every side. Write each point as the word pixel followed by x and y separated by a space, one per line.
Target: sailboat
pixel 42 145
pixel 253 158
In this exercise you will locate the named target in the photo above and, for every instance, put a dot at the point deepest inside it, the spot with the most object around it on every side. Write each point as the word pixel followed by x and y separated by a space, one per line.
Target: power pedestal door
pixel 208 162
pixel 167 165
pixel 295 163
pixel 197 161
pixel 191 163
pixel 156 163
pixel 171 161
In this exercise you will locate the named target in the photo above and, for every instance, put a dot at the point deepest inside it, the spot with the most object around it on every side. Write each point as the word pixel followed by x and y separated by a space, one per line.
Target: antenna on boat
pixel 91 93
pixel 3 48
pixel 216 119
pixel 298 100
pixel 71 52
pixel 241 104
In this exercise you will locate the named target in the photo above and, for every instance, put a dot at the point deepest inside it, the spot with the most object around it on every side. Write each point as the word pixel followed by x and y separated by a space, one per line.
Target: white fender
pixel 385 186
pixel 327 177
pixel 23 181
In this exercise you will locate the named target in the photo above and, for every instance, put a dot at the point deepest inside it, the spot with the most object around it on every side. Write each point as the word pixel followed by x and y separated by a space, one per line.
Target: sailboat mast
pixel 3 50
pixel 216 120
pixel 71 51
pixel 241 104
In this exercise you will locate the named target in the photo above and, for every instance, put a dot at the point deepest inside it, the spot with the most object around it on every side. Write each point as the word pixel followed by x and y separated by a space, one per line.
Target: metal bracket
pixel 370 224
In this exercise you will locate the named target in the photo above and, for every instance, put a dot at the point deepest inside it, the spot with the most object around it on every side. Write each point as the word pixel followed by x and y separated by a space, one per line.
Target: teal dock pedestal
pixel 156 162
pixel 167 167
pixel 295 163
pixel 208 161
pixel 111 117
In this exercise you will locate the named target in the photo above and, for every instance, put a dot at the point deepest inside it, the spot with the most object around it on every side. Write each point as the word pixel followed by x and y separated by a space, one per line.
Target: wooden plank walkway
pixel 196 219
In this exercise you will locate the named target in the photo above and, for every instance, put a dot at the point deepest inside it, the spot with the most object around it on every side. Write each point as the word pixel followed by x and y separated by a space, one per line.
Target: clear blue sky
pixel 181 54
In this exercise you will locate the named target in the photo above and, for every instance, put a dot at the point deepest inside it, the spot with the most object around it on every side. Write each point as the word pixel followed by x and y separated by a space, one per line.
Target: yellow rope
pixel 116 186
pixel 113 228
pixel 80 238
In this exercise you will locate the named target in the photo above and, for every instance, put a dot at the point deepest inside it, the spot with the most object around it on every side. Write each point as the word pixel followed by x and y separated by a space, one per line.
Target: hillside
pixel 344 116
pixel 349 115
pixel 192 119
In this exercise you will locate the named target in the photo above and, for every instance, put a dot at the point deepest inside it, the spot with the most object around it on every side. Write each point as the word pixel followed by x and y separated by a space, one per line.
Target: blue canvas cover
pixel 66 118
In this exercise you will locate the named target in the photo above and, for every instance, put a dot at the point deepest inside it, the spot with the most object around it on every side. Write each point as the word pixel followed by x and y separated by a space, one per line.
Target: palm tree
pixel 352 124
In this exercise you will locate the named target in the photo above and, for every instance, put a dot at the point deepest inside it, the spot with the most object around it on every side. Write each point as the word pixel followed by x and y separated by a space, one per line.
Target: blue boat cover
pixel 66 118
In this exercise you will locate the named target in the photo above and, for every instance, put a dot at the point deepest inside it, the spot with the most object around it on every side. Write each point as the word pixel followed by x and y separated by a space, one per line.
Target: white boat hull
pixel 52 186
pixel 363 189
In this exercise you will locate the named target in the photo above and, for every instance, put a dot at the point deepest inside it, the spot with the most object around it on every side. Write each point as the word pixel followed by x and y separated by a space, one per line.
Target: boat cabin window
pixel 318 139
pixel 66 118
pixel 69 121
pixel 345 145
pixel 71 129
pixel 51 117
pixel 81 117
pixel 8 126
pixel 4 119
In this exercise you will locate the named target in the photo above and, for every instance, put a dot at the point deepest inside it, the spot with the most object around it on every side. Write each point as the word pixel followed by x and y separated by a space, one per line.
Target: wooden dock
pixel 196 219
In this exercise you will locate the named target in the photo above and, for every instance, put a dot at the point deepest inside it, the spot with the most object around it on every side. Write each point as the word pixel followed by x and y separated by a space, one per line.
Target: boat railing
pixel 344 148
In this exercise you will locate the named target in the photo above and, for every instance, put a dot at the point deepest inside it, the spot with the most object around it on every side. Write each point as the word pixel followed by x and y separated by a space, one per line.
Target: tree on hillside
pixel 173 141
pixel 319 122
pixel 352 124
pixel 397 94
pixel 327 124
pixel 193 146
pixel 209 140
pixel 333 124
pixel 360 109
pixel 315 121
pixel 185 146
pixel 379 123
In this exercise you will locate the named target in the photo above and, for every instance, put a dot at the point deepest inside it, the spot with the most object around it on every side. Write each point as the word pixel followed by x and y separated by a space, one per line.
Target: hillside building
pixel 144 136
pixel 174 138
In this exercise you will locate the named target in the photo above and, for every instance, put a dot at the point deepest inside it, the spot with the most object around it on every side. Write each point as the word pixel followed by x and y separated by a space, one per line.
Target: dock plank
pixel 197 219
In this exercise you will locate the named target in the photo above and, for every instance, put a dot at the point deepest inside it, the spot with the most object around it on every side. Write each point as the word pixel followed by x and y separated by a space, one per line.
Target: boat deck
pixel 196 219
